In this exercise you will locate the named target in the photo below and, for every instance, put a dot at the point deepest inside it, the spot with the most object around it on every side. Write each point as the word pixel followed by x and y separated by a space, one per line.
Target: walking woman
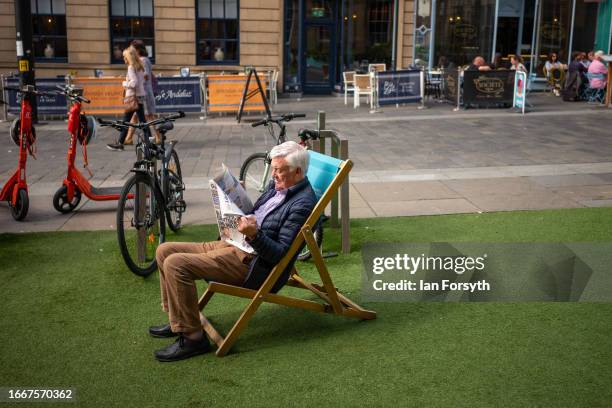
pixel 149 99
pixel 134 94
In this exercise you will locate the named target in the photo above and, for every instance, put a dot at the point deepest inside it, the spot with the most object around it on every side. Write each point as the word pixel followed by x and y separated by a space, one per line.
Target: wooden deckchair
pixel 326 175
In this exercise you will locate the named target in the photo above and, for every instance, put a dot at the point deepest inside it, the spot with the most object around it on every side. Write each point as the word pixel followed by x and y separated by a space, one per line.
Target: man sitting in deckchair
pixel 278 216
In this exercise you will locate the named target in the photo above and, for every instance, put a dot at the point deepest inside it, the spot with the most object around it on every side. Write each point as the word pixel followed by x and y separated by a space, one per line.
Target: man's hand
pixel 248 226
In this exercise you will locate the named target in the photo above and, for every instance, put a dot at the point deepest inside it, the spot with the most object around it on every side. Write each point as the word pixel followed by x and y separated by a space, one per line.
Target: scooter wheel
pixel 20 209
pixel 60 200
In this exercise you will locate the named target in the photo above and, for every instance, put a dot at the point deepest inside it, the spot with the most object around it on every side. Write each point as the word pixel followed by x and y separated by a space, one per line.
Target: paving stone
pixel 586 192
pixel 422 207
pixel 406 191
pixel 569 180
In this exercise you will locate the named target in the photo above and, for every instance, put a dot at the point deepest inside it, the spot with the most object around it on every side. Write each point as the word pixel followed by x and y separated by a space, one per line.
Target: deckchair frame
pixel 334 302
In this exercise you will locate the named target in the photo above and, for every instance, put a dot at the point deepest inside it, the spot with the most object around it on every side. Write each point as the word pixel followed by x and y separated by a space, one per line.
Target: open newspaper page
pixel 231 202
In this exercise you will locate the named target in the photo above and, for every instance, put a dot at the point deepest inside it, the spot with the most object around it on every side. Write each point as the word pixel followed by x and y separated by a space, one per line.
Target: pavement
pixel 408 161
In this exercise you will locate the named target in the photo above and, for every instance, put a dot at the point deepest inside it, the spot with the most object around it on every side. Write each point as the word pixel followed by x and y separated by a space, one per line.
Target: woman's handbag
pixel 130 103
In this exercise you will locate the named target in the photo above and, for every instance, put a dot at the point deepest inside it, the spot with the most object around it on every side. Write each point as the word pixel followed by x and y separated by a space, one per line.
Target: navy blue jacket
pixel 278 231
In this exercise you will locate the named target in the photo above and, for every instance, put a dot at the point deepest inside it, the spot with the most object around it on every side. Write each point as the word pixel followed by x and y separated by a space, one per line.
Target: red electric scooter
pixel 15 191
pixel 81 128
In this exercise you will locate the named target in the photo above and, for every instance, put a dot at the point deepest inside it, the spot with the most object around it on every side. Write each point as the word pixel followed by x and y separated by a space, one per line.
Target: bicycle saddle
pixel 164 127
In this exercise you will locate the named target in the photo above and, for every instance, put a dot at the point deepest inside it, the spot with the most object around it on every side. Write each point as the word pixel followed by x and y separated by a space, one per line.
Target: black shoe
pixel 162 331
pixel 115 146
pixel 183 348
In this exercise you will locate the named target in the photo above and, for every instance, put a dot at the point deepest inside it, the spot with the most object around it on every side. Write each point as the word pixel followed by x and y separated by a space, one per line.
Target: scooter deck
pixel 106 191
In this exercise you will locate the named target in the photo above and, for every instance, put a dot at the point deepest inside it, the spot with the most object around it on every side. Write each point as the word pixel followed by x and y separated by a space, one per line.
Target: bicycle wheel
pixel 318 235
pixel 255 172
pixel 140 224
pixel 175 204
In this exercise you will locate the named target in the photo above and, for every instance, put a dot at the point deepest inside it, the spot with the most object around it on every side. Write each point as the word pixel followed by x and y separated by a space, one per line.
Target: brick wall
pixel 8 53
pixel 260 33
pixel 88 34
pixel 174 34
pixel 407 35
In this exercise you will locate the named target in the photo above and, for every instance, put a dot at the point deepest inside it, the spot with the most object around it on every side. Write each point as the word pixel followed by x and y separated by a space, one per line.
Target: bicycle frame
pixel 18 179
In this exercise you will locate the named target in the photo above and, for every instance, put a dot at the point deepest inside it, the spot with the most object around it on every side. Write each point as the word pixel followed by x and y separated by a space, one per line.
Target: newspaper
pixel 231 202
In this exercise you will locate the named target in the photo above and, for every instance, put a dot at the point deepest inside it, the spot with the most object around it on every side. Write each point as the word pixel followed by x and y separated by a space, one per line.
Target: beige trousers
pixel 182 263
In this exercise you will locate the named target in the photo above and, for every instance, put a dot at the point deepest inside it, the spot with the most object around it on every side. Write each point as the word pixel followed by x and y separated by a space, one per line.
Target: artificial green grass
pixel 74 316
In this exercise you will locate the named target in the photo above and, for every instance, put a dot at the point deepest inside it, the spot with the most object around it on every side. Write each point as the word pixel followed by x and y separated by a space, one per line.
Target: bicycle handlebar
pixel 119 124
pixel 29 91
pixel 306 134
pixel 287 117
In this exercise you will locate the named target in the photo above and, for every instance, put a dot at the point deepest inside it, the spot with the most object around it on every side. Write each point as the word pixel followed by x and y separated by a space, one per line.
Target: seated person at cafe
pixel 278 216
pixel 552 63
pixel 598 67
pixel 575 80
pixel 479 64
pixel 517 63
pixel 587 58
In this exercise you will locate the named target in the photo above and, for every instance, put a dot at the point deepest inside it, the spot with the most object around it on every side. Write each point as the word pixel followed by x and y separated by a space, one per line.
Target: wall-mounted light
pixel 458 18
pixel 354 16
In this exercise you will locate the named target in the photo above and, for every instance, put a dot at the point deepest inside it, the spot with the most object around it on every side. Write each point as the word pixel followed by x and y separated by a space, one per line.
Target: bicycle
pixel 255 171
pixel 148 195
pixel 22 132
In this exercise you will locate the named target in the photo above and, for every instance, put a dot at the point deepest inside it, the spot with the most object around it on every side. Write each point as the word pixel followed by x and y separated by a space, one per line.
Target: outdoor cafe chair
pixel 348 77
pixel 363 86
pixel 326 175
pixel 595 95
pixel 377 67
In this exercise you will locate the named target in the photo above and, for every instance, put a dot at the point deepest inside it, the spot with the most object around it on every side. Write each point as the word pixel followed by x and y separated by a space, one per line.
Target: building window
pixel 217 31
pixel 367 32
pixel 49 30
pixel 131 20
pixel 464 30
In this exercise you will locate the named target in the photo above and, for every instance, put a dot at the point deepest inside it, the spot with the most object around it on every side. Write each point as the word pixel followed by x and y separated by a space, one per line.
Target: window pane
pixel 146 8
pixel 141 27
pixel 118 46
pixel 59 7
pixel 119 27
pixel 464 29
pixel 217 8
pixel 204 8
pixel 131 7
pixel 231 50
pixel 204 28
pixel 44 6
pixel 50 48
pixel 553 34
pixel 117 8
pixel 205 50
pixel 217 29
pixel 231 27
pixel 33 6
pixel 231 9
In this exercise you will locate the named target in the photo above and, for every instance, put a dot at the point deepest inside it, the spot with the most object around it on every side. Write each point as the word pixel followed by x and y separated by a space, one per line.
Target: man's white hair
pixel 295 154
